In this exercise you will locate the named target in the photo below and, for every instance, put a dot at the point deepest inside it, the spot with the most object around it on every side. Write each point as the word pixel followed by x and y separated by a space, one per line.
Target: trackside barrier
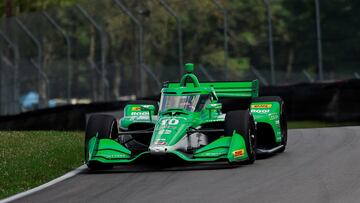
pixel 335 101
pixel 71 117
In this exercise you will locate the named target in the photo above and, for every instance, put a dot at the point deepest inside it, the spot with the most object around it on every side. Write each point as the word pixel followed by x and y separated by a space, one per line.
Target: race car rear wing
pixel 228 89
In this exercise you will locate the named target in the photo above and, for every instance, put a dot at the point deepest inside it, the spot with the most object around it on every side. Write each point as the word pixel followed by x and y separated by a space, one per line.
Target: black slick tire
pixel 106 127
pixel 243 123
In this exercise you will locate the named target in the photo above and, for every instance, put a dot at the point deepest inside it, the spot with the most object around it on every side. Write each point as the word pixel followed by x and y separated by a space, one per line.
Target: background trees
pixel 202 23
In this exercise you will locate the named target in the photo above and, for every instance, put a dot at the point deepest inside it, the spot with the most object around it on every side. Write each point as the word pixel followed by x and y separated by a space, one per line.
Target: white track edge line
pixel 43 186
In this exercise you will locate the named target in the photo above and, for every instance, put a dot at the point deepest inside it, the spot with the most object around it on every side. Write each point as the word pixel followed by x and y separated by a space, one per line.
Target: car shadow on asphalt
pixel 173 166
pixel 140 168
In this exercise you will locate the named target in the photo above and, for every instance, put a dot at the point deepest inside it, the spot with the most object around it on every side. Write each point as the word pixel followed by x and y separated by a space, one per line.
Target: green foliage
pixel 25 6
pixel 202 36
pixel 216 59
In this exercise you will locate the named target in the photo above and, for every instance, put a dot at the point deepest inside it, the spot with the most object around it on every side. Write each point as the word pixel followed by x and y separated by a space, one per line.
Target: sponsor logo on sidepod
pixel 260 106
pixel 140 113
pixel 238 153
pixel 260 110
pixel 135 108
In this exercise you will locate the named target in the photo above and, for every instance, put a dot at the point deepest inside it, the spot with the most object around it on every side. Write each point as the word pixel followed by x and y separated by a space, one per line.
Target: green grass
pixel 29 159
pixel 318 124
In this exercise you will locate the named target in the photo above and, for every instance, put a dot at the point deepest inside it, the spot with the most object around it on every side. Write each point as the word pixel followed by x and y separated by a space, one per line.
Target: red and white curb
pixel 48 184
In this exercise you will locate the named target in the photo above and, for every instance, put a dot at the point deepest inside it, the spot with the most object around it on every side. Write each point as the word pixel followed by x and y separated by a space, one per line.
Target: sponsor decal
pixel 166 132
pixel 277 123
pixel 115 156
pixel 261 106
pixel 160 143
pixel 210 154
pixel 238 153
pixel 145 113
pixel 273 117
pixel 139 118
pixel 260 110
pixel 172 121
pixel 136 108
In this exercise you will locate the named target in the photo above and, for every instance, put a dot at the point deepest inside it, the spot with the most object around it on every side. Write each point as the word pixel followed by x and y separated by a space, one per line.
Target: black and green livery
pixel 192 122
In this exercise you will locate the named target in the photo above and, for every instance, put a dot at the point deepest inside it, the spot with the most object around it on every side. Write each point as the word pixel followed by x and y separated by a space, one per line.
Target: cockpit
pixel 193 103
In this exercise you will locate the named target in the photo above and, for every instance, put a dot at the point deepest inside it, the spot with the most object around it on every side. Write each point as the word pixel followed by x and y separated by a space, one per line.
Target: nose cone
pixel 158 150
pixel 168 131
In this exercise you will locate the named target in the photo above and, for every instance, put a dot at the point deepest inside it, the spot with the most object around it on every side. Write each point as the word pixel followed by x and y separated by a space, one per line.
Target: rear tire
pixel 106 127
pixel 243 123
pixel 283 117
pixel 283 125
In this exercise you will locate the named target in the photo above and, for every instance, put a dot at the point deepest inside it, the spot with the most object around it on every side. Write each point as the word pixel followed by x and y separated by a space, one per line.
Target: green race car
pixel 193 122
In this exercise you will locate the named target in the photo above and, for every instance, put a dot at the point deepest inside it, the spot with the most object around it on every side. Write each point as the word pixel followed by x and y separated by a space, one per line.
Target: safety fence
pixel 101 51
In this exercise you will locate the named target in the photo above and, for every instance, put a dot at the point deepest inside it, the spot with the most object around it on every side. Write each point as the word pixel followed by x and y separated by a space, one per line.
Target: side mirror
pixel 213 107
pixel 149 108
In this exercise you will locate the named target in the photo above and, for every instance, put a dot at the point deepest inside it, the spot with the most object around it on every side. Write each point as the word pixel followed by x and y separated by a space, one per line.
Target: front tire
pixel 104 126
pixel 243 123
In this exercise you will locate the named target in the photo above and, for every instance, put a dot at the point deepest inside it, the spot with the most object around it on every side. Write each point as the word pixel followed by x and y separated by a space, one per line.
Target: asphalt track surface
pixel 319 165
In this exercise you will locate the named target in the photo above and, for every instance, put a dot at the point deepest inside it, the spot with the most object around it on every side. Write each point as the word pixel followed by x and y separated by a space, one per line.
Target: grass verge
pixel 31 158
pixel 318 124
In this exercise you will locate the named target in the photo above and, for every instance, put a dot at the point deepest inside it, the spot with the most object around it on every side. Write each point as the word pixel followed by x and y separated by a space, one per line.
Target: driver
pixel 188 103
